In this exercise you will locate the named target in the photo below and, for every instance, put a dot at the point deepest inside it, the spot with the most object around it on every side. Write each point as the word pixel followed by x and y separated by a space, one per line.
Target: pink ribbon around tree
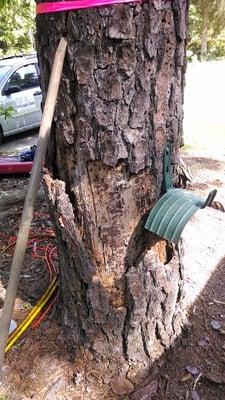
pixel 53 7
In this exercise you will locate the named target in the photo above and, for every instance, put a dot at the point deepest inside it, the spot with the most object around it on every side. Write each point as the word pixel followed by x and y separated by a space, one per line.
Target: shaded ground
pixel 39 366
pixel 15 144
pixel 39 358
pixel 195 368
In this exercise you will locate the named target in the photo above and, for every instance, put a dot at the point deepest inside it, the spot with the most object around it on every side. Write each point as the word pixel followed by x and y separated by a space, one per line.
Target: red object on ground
pixel 11 165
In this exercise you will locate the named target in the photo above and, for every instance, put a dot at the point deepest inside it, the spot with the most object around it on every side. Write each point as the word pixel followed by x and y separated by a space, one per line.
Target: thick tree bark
pixel 120 101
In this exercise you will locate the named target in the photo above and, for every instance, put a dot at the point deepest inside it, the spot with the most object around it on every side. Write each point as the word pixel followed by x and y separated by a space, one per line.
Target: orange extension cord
pixel 47 253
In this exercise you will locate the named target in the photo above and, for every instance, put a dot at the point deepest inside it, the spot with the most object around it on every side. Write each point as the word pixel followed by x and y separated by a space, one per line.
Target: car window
pixel 24 77
pixel 3 71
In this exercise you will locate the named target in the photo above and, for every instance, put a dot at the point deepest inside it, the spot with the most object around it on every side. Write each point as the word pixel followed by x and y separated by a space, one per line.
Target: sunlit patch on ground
pixel 204 116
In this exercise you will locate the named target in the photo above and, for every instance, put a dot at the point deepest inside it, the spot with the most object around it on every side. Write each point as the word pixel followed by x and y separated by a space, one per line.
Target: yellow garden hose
pixel 15 335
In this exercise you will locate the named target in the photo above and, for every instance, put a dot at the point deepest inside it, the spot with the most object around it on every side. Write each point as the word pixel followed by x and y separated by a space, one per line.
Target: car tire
pixel 1 135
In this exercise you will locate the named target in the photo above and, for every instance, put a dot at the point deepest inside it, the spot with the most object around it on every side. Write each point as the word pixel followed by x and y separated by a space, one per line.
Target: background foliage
pixel 213 26
pixel 16 26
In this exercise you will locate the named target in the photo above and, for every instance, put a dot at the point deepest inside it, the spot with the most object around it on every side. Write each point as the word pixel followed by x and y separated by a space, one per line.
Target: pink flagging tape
pixel 53 7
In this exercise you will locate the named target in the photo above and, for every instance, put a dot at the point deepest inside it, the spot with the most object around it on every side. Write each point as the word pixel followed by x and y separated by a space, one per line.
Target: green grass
pixel 187 147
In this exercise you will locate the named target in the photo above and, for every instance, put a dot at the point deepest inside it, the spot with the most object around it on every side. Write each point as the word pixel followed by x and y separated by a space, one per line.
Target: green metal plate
pixel 172 212
pixel 174 209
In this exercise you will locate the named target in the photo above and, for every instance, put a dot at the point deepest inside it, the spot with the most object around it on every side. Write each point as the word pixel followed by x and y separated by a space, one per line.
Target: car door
pixel 22 93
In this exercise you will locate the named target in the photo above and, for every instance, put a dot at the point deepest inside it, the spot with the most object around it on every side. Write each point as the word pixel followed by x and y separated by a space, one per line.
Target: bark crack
pixel 126 325
pixel 103 245
pixel 158 334
pixel 180 292
pixel 143 336
pixel 96 214
pixel 92 195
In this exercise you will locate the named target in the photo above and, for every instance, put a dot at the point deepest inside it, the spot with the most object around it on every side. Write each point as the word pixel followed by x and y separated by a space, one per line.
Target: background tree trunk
pixel 204 35
pixel 120 101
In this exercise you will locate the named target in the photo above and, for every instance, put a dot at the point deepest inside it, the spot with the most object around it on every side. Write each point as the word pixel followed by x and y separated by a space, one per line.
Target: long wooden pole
pixel 32 190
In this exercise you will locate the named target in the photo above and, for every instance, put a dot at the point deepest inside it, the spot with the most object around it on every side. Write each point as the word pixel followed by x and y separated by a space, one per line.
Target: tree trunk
pixel 120 101
pixel 204 34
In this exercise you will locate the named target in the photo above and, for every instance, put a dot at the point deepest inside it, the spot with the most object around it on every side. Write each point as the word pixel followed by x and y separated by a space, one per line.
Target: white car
pixel 20 93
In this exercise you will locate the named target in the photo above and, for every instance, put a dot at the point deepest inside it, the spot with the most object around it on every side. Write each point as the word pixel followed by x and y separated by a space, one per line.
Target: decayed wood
pixel 122 100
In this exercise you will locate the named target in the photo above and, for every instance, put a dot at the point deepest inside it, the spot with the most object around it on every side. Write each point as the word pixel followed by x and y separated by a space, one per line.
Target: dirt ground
pixel 39 366
pixel 17 143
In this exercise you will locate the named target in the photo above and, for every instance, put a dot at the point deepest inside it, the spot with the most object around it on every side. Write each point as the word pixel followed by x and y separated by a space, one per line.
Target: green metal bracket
pixel 174 209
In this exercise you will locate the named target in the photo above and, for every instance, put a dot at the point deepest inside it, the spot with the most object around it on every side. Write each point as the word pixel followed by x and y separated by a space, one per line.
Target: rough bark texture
pixel 120 101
